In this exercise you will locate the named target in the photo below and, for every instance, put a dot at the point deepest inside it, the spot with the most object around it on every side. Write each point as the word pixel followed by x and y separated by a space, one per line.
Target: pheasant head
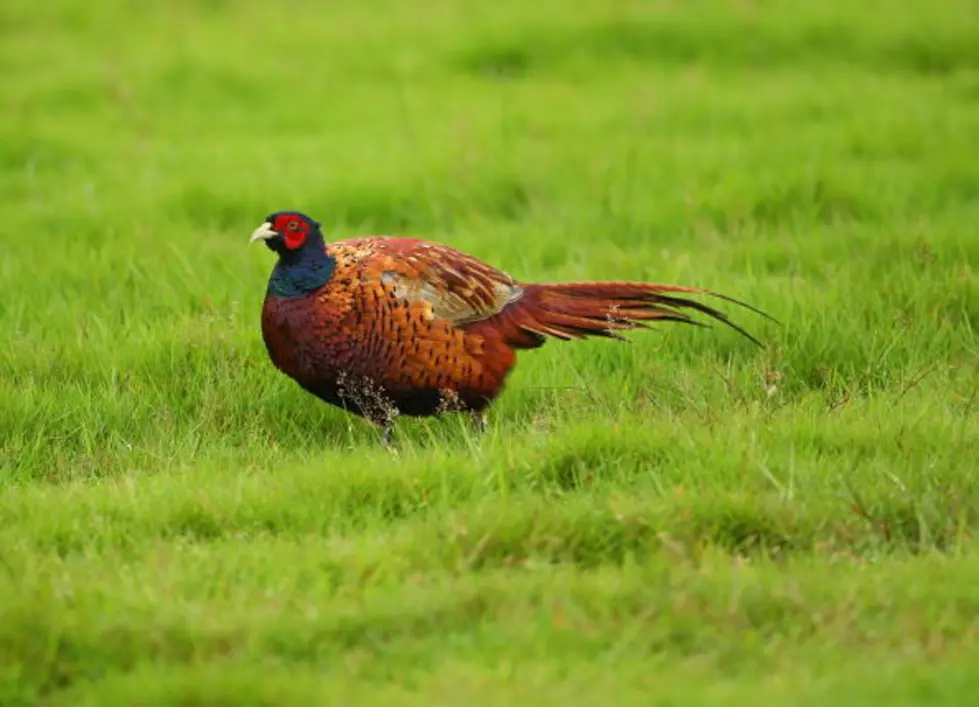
pixel 303 265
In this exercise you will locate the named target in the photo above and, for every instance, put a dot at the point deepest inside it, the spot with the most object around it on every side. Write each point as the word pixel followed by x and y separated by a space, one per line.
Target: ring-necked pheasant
pixel 382 326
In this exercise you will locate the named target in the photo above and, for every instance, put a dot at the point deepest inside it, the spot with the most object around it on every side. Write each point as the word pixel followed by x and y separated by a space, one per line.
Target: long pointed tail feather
pixel 575 310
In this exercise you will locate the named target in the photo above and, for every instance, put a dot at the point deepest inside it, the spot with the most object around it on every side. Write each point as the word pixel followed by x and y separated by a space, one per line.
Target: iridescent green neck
pixel 298 274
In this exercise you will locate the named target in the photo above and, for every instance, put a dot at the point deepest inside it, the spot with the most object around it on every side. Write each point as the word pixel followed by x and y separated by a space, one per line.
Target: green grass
pixel 683 520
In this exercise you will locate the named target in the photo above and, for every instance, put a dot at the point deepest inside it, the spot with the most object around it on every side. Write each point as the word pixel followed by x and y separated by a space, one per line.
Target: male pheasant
pixel 382 326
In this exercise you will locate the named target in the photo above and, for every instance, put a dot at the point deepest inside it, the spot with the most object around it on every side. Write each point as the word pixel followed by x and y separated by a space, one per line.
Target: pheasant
pixel 385 326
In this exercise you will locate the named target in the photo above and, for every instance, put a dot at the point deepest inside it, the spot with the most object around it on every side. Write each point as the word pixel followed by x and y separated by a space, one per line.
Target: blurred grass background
pixel 686 519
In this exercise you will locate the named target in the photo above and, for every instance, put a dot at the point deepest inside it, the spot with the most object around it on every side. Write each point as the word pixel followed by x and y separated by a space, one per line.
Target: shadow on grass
pixel 741 43
pixel 410 206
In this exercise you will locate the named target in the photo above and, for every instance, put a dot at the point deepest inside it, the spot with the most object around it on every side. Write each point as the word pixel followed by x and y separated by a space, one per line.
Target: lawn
pixel 684 519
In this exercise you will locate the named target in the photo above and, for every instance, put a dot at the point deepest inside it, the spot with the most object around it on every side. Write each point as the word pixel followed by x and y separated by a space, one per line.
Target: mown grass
pixel 683 520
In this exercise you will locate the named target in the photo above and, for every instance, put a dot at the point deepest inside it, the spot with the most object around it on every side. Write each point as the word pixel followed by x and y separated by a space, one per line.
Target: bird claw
pixel 387 439
pixel 478 421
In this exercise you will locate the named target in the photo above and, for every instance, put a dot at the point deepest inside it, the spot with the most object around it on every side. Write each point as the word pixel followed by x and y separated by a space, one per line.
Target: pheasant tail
pixel 576 310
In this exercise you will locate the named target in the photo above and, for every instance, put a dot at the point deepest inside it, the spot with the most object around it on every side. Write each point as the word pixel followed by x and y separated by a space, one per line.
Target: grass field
pixel 684 520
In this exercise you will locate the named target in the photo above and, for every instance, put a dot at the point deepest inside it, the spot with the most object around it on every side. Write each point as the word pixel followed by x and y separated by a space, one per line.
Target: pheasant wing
pixel 454 286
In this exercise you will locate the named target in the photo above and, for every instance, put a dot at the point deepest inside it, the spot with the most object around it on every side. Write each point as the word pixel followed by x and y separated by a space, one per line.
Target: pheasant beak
pixel 263 233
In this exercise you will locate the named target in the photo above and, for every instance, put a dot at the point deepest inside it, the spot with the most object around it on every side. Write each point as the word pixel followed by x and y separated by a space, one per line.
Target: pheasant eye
pixel 292 226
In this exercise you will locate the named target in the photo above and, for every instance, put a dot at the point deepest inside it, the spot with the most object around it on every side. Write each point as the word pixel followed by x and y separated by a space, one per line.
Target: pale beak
pixel 263 233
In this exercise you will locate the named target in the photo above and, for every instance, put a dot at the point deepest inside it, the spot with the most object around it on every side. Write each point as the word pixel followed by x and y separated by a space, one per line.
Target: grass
pixel 683 520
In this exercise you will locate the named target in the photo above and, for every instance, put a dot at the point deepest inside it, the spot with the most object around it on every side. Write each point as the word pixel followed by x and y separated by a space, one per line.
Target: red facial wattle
pixel 294 239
